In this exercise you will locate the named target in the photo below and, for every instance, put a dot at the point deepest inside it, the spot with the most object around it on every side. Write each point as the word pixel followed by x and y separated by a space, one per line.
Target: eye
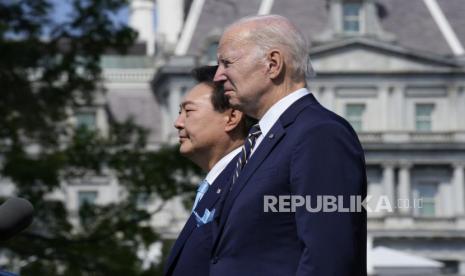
pixel 225 63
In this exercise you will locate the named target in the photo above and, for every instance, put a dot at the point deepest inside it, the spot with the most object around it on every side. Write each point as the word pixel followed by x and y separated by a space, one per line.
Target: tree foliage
pixel 47 70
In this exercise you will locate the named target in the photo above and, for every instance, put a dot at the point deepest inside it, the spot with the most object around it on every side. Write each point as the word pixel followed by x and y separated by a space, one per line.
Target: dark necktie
pixel 249 143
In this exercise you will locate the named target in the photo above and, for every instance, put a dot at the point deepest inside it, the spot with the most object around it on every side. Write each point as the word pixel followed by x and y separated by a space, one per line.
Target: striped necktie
pixel 249 143
pixel 201 190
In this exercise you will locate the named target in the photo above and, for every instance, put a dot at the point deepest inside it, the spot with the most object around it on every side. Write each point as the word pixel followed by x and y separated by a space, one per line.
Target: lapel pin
pixel 271 136
pixel 218 191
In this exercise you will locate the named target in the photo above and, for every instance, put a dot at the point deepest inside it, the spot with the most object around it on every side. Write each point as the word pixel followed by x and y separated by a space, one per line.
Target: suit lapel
pixel 253 163
pixel 208 201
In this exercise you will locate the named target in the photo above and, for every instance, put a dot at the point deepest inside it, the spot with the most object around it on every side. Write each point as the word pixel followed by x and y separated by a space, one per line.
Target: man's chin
pixel 234 102
pixel 185 151
pixel 236 105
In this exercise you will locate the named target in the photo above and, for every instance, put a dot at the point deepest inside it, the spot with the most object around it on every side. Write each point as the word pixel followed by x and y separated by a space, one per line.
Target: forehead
pixel 234 39
pixel 200 94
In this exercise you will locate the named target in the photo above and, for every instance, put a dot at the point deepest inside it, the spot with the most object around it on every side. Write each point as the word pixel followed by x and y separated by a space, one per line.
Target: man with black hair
pixel 211 134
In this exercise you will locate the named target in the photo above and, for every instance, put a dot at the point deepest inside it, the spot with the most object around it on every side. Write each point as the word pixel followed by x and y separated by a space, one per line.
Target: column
pixel 330 97
pixel 460 107
pixel 141 18
pixel 385 107
pixel 174 99
pixel 462 267
pixel 370 267
pixel 453 111
pixel 388 182
pixel 458 188
pixel 404 190
pixel 166 123
pixel 397 108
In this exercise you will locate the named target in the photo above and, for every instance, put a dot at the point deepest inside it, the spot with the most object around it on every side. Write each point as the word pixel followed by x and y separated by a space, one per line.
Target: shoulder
pixel 316 118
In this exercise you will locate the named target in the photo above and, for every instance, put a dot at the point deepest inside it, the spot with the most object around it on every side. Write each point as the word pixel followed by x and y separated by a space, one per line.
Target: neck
pixel 207 160
pixel 272 96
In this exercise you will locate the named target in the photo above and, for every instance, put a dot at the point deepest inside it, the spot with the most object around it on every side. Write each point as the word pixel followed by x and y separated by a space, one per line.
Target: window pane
pixel 351 9
pixel 354 114
pixel 351 17
pixel 211 51
pixel 85 119
pixel 351 26
pixel 428 209
pixel 427 194
pixel 428 190
pixel 355 109
pixel 423 117
pixel 357 125
pixel 424 109
pixel 88 197
pixel 423 126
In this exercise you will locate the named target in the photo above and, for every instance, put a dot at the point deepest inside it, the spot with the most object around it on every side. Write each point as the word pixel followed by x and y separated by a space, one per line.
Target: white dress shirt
pixel 221 165
pixel 272 115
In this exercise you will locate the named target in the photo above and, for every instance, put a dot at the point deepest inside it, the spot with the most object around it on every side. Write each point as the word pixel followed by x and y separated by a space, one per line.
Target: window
pixel 88 197
pixel 450 267
pixel 211 52
pixel 423 116
pixel 351 16
pixel 86 119
pixel 354 114
pixel 426 193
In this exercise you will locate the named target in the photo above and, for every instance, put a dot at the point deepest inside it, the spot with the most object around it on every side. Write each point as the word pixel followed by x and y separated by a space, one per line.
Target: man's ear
pixel 275 64
pixel 233 119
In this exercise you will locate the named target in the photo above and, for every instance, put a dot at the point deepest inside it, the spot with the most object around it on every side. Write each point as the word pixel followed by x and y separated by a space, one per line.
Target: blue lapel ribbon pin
pixel 206 218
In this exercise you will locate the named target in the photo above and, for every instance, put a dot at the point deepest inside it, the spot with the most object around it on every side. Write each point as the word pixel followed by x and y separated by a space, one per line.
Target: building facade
pixel 395 69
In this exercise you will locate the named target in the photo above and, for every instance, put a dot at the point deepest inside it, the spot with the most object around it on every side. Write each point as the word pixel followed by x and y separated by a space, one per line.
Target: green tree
pixel 47 70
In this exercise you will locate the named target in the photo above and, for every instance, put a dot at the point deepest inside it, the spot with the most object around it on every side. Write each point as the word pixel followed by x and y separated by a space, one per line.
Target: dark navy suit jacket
pixel 191 252
pixel 310 151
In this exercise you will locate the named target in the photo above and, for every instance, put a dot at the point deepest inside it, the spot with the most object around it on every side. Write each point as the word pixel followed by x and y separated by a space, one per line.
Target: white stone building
pixel 395 69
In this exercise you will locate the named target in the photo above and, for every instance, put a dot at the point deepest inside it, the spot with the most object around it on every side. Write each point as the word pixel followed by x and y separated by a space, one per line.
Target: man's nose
pixel 219 75
pixel 179 123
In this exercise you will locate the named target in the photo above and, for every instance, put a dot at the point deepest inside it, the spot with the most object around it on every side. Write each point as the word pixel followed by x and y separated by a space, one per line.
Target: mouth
pixel 182 138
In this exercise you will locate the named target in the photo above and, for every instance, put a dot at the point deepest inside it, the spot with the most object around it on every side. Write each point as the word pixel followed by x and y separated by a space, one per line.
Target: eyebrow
pixel 183 104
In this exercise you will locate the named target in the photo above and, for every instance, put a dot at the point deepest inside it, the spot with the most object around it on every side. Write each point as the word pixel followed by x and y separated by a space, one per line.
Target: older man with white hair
pixel 298 160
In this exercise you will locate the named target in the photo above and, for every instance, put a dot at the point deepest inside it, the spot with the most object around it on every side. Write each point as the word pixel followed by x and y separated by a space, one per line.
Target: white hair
pixel 276 31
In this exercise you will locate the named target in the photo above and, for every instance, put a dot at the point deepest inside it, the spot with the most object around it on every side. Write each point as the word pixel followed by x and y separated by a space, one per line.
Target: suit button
pixel 215 260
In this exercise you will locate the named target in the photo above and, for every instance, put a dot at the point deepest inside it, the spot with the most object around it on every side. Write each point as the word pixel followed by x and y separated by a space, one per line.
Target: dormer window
pixel 351 17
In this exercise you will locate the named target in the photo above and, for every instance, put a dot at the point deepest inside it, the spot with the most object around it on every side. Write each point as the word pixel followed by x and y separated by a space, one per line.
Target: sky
pixel 63 8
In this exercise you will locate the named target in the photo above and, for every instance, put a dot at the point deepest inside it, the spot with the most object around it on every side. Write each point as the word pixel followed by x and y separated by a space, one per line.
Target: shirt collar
pixel 276 110
pixel 221 165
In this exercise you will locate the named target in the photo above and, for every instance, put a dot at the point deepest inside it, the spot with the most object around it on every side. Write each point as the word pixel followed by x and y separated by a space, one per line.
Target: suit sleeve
pixel 327 162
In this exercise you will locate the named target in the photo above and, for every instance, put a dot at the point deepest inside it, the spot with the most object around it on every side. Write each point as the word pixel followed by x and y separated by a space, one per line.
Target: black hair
pixel 206 74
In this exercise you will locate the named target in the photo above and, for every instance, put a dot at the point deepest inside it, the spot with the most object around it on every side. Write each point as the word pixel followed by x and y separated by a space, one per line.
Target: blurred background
pixel 89 91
